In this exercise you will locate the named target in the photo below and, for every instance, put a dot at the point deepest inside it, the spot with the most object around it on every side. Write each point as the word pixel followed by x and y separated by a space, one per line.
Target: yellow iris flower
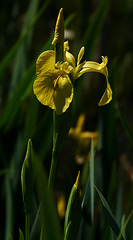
pixel 54 85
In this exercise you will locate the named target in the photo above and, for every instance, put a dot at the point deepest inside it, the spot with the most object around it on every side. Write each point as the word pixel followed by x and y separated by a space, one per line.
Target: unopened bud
pixel 27 178
pixel 59 29
pixel 73 213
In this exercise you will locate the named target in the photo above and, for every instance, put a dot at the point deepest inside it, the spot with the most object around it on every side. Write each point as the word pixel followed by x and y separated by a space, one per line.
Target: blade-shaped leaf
pixel 111 219
pixel 95 26
pixel 92 179
pixel 126 125
pixel 48 213
pixel 25 85
pixel 21 236
pixel 20 62
pixel 4 63
pixel 9 210
pixel 125 225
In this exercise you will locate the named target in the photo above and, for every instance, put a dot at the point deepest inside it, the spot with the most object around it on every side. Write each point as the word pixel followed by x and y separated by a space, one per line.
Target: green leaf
pixel 73 213
pixel 21 236
pixel 13 105
pixel 92 179
pixel 24 87
pixel 125 124
pixel 27 178
pixel 30 121
pixel 69 232
pixel 111 219
pixel 62 125
pixel 125 225
pixel 95 26
pixel 9 208
pixel 4 63
pixel 20 62
pixel 47 214
pixel 10 237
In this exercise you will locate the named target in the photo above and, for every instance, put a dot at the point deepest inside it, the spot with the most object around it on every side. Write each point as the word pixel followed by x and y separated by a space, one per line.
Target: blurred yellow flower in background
pixel 83 139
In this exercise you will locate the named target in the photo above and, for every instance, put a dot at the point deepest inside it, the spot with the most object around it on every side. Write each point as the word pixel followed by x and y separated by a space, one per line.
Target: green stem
pixel 27 226
pixel 53 168
pixel 54 161
pixel 59 56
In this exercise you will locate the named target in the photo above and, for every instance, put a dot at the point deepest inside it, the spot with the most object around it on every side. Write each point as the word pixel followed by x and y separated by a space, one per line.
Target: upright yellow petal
pixel 69 58
pixel 80 55
pixel 66 46
pixel 45 61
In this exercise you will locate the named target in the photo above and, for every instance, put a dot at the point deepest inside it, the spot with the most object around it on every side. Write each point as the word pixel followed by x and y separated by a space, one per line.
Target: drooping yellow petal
pixel 43 88
pixel 45 61
pixel 100 68
pixel 90 66
pixel 63 94
pixel 107 96
pixel 54 90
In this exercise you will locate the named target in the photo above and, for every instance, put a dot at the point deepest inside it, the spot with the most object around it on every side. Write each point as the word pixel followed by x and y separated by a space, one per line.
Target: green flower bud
pixel 27 178
pixel 73 213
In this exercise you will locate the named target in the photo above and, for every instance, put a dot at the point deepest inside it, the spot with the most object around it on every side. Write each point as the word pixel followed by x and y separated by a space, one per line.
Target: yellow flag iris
pixel 55 82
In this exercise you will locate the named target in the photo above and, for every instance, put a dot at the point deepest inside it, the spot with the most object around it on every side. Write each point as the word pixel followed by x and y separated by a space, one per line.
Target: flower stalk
pixel 73 213
pixel 27 226
pixel 57 72
pixel 27 187
pixel 58 43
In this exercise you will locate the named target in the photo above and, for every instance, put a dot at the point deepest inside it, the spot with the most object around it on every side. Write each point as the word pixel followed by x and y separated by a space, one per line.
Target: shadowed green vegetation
pixel 100 142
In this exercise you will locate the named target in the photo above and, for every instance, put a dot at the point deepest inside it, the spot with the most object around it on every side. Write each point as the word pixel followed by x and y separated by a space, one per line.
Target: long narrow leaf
pixel 4 63
pixel 20 62
pixel 9 210
pixel 126 125
pixel 14 103
pixel 48 213
pixel 95 26
pixel 21 236
pixel 125 225
pixel 111 219
pixel 92 179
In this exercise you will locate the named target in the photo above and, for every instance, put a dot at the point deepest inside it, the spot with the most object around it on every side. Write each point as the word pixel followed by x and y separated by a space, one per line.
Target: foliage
pixel 105 163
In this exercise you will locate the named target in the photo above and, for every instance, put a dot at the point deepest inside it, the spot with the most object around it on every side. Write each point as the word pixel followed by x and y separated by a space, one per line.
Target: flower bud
pixel 27 178
pixel 73 213
pixel 59 29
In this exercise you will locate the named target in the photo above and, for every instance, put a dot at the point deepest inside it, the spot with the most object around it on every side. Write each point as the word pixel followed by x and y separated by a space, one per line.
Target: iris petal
pixel 63 94
pixel 90 66
pixel 80 55
pixel 100 68
pixel 45 61
pixel 107 96
pixel 54 90
pixel 53 86
pixel 70 59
